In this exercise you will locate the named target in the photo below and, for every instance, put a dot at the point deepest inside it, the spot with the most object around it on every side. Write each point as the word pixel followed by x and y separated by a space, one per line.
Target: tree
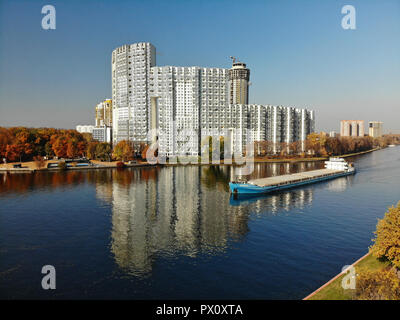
pixel 13 152
pixel 387 239
pixel 383 284
pixel 72 149
pixel 123 151
pixel 103 151
pixel 91 150
pixel 60 147
pixel 316 142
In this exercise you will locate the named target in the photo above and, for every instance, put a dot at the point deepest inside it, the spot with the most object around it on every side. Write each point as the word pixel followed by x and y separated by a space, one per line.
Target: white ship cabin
pixel 337 164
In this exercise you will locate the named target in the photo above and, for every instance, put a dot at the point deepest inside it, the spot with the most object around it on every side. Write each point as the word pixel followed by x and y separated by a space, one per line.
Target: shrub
pixel 382 284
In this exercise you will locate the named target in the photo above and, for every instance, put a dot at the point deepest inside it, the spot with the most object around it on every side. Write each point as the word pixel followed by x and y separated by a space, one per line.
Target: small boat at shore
pixel 391 145
pixel 334 168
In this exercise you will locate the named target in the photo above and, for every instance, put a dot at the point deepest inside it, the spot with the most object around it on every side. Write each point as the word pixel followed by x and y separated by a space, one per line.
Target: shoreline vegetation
pixel 33 166
pixel 377 274
pixel 29 149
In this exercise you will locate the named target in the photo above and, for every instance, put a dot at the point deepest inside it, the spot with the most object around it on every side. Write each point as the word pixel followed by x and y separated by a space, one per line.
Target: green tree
pixel 103 151
pixel 91 150
pixel 387 237
pixel 123 151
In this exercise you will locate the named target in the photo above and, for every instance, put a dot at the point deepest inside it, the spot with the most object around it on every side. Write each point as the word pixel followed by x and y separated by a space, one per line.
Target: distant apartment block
pixel 102 134
pixel 103 112
pixel 333 134
pixel 375 129
pixel 84 128
pixel 352 128
pixel 185 105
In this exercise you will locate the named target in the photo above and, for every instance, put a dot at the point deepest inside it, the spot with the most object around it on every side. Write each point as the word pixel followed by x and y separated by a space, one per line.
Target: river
pixel 176 233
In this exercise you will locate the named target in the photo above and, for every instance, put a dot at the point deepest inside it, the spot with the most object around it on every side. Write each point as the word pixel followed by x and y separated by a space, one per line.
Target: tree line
pixel 321 145
pixel 24 144
pixel 27 144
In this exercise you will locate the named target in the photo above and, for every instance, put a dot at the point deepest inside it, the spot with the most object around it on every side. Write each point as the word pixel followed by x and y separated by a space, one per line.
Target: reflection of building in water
pixel 181 210
pixel 174 214
pixel 340 184
pixel 275 202
pixel 187 205
pixel 289 200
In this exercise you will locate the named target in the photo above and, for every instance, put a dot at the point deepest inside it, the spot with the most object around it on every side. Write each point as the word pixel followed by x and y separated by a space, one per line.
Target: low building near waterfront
pixel 84 128
pixel 102 134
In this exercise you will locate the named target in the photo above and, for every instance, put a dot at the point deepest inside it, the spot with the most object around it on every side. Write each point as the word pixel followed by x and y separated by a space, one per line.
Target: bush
pixel 120 165
pixel 62 165
pixel 382 284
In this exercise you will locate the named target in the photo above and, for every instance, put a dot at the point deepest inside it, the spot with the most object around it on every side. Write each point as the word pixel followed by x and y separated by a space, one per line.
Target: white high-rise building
pixel 188 104
pixel 130 68
pixel 189 99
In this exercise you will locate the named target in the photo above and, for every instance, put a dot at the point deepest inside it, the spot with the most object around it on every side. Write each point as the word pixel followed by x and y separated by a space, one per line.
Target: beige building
pixel 104 113
pixel 352 128
pixel 375 129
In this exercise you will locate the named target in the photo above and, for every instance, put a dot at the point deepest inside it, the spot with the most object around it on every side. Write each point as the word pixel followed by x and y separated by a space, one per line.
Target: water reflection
pixel 162 212
pixel 177 213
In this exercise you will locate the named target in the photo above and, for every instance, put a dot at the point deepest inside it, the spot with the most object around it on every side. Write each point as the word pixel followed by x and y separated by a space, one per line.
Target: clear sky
pixel 298 53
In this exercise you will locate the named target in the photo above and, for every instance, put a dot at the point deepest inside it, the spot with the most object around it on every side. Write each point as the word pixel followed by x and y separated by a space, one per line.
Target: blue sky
pixel 297 51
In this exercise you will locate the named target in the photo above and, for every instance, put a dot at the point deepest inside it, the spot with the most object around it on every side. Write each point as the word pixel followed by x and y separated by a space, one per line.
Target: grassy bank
pixel 333 290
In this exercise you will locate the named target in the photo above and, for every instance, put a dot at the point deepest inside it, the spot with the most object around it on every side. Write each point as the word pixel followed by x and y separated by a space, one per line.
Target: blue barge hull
pixel 247 188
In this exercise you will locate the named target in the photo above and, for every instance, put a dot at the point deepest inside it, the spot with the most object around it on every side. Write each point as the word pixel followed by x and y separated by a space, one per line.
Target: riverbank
pixel 333 290
pixel 284 160
pixel 31 166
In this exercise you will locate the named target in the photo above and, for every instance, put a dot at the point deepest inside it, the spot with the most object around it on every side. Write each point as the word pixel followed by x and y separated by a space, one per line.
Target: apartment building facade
pixel 375 129
pixel 186 105
pixel 352 128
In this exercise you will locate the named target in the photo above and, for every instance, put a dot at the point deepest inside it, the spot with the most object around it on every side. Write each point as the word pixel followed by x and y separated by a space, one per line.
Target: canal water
pixel 176 233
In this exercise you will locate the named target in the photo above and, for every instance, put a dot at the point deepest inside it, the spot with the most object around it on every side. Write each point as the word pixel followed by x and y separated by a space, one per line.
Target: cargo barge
pixel 334 168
